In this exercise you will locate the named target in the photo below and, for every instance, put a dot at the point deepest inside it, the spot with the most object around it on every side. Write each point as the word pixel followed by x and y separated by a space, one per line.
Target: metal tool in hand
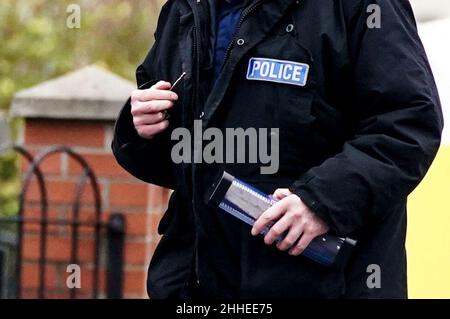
pixel 165 113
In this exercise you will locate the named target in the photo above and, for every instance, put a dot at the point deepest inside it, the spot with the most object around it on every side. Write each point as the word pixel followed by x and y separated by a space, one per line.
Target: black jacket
pixel 354 142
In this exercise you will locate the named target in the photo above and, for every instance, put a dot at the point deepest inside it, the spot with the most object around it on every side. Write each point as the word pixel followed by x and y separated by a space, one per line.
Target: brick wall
pixel 141 203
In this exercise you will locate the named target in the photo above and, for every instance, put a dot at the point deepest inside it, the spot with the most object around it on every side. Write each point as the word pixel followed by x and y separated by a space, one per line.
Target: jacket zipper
pixel 196 57
pixel 197 60
pixel 244 15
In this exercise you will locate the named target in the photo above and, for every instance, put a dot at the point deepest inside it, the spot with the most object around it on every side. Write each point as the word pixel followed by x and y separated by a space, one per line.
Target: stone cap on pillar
pixel 91 93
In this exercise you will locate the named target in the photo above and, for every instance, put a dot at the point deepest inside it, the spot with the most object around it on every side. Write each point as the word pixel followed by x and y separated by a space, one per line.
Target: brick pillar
pixel 91 137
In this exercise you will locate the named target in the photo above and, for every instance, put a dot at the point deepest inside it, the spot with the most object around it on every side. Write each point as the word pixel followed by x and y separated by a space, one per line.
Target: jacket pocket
pixel 294 114
pixel 292 103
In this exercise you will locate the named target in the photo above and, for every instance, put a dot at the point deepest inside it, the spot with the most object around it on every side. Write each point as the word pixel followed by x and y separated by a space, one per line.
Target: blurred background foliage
pixel 37 45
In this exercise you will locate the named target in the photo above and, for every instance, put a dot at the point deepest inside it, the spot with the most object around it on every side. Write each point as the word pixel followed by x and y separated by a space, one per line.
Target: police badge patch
pixel 279 71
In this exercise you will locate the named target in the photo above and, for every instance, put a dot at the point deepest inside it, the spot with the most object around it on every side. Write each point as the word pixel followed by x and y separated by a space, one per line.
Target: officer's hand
pixel 294 218
pixel 149 109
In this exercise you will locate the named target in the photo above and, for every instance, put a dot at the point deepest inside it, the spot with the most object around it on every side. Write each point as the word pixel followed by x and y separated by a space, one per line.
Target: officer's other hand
pixel 149 109
pixel 293 217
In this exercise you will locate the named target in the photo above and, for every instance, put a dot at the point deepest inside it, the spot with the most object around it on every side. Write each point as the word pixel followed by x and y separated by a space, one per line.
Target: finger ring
pixel 165 115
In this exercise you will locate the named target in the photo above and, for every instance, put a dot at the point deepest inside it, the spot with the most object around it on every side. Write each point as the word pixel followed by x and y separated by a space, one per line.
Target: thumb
pixel 162 85
pixel 281 193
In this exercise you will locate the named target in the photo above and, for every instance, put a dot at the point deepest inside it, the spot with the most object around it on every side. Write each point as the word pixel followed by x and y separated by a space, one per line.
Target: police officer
pixel 359 124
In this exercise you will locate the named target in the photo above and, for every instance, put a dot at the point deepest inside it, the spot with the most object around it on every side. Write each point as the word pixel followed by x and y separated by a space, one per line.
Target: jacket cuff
pixel 303 190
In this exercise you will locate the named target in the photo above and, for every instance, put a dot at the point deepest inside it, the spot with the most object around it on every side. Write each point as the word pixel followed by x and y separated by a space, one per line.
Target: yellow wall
pixel 428 242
